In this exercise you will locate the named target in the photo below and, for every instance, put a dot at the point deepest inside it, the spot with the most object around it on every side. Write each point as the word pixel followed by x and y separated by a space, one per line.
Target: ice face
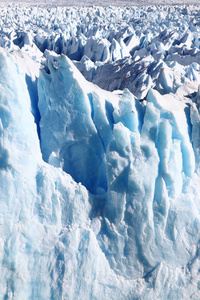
pixel 66 107
pixel 99 189
pixel 44 212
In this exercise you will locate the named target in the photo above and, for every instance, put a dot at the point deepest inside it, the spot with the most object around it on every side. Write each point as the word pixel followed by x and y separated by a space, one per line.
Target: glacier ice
pixel 99 179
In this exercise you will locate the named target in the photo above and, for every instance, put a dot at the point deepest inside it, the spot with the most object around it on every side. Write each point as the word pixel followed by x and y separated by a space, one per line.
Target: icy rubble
pixel 139 39
pixel 99 189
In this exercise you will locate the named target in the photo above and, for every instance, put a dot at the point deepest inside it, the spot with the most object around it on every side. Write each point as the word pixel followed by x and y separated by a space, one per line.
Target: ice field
pixel 99 152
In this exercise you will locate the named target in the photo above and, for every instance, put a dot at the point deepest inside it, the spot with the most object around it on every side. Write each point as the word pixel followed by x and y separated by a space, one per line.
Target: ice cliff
pixel 99 184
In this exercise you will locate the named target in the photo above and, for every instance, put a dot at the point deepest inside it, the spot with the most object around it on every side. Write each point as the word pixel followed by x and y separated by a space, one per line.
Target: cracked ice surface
pixel 99 153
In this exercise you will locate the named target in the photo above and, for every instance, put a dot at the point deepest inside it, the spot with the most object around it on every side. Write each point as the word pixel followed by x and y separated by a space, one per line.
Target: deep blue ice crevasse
pixel 33 93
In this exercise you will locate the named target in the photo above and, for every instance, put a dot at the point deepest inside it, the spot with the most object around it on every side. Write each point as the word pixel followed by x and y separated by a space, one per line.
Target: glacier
pixel 99 152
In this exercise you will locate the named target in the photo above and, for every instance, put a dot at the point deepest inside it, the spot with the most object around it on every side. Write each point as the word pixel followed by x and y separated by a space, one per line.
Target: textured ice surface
pixel 99 188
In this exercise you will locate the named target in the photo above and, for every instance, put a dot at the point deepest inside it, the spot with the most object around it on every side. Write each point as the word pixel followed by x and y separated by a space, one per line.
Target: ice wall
pixel 49 248
pixel 148 210
pixel 99 190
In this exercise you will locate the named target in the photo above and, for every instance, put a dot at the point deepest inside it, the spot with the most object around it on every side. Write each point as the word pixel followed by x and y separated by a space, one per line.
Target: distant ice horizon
pixel 102 2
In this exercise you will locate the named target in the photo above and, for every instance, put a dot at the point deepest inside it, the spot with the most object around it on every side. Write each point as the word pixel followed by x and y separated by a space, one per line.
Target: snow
pixel 99 179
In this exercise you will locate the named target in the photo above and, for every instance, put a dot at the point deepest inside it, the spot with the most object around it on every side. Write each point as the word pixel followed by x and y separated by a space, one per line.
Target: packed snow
pixel 99 152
